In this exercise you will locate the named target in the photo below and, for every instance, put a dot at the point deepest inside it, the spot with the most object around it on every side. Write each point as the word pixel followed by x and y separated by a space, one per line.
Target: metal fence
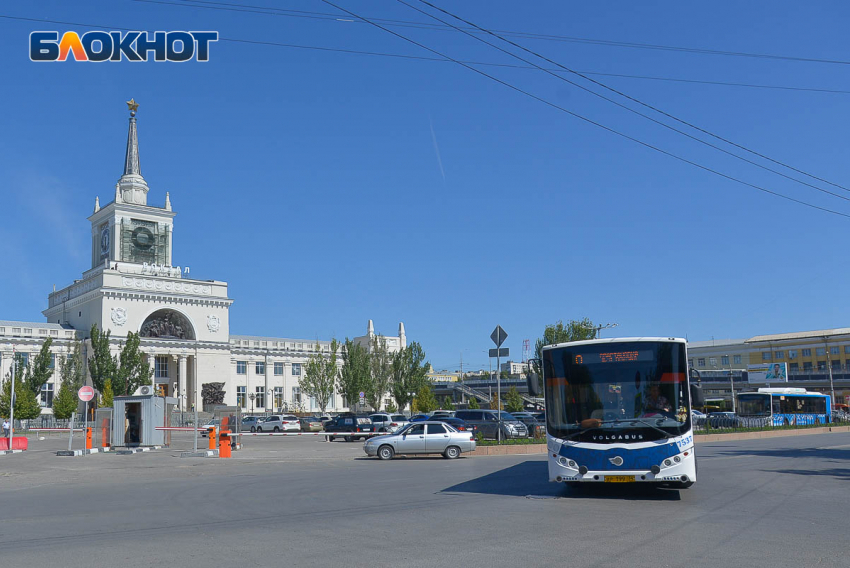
pixel 730 422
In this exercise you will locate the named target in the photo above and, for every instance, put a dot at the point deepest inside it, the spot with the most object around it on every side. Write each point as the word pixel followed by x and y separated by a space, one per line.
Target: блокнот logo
pixel 115 46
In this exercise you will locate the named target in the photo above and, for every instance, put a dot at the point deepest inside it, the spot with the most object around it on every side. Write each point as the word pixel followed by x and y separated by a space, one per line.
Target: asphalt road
pixel 302 502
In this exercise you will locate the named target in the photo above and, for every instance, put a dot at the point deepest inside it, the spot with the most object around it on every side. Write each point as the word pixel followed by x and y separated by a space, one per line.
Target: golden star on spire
pixel 132 105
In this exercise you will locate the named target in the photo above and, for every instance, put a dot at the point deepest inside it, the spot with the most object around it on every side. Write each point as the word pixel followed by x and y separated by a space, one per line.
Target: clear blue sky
pixel 331 188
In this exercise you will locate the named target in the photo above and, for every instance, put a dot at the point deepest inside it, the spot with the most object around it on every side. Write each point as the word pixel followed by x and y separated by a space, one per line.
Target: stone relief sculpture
pixel 212 394
pixel 167 324
pixel 119 316
pixel 213 323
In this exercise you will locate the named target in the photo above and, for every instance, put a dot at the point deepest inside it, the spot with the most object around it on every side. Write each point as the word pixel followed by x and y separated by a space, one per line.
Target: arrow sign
pixel 501 352
pixel 499 336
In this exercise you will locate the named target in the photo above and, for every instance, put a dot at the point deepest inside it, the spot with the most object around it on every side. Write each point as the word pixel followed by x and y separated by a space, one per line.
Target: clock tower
pixel 128 230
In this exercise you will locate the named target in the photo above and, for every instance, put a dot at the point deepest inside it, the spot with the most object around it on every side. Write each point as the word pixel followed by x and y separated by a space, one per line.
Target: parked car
pixel 419 417
pixel 384 422
pixel 723 420
pixel 487 423
pixel 311 424
pixel 534 426
pixel 429 437
pixel 212 423
pixel 325 420
pixel 279 423
pixel 350 423
pixel 457 424
pixel 249 423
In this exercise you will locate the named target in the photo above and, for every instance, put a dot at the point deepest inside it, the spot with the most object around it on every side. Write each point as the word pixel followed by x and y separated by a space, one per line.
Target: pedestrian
pixel 6 427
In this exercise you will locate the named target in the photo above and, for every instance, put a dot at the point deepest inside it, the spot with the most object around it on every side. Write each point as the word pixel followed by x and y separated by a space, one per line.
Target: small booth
pixel 135 419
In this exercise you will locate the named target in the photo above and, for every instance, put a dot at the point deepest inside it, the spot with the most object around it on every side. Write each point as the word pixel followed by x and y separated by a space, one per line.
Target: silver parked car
pixel 384 422
pixel 421 438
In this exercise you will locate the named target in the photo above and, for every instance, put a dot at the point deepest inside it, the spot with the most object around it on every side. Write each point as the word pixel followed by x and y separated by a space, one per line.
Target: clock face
pixel 104 240
pixel 142 238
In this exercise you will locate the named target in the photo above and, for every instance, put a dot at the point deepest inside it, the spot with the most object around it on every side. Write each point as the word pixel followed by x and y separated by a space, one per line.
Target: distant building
pixel 514 368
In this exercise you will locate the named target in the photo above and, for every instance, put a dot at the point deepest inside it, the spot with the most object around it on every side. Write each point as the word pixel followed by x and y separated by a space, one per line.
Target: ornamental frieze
pixel 165 285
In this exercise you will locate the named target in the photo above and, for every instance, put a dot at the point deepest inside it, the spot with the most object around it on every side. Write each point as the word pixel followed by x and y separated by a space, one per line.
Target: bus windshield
pixel 754 404
pixel 597 391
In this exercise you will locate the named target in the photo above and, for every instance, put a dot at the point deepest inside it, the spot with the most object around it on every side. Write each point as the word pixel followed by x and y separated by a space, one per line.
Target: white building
pixel 134 284
pixel 515 368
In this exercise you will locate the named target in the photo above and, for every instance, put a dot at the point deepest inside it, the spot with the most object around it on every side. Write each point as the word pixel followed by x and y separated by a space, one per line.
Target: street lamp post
pixel 831 385
pixel 12 399
pixel 732 383
pixel 269 398
pixel 597 329
pixel 252 396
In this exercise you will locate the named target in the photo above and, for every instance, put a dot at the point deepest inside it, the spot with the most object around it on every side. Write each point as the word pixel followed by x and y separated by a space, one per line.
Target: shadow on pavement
pixel 806 453
pixel 531 479
pixel 837 473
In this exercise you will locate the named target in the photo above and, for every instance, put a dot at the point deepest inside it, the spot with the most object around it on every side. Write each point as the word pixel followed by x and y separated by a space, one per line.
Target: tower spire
pixel 134 188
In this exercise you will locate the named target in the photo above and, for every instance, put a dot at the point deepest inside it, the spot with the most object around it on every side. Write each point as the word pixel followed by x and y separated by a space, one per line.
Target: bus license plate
pixel 619 478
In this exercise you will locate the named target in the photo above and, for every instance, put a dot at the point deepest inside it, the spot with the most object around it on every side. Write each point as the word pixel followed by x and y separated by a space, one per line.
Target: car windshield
pixel 508 416
pixel 603 387
pixel 399 417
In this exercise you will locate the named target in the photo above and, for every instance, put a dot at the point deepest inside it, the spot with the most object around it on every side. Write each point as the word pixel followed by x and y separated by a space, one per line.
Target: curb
pixel 702 438
pixel 83 452
pixel 512 450
pixel 7 452
pixel 200 454
pixel 130 451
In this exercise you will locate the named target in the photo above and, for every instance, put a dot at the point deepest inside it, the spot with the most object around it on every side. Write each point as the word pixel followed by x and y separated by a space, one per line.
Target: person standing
pixel 6 427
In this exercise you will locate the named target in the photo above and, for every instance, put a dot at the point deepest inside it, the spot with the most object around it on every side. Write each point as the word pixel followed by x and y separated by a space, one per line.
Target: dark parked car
pixel 419 418
pixel 487 422
pixel 350 423
pixel 457 423
pixel 535 427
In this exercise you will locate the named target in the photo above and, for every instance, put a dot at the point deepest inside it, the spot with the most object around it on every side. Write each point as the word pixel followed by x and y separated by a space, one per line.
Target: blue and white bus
pixel 784 407
pixel 619 410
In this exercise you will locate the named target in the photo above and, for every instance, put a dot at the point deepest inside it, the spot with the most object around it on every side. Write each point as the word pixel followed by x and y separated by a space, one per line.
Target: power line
pixel 209 4
pixel 504 83
pixel 482 63
pixel 635 100
pixel 612 101
pixel 593 122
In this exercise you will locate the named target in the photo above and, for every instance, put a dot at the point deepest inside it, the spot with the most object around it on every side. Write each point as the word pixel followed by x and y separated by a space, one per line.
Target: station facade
pixel 134 284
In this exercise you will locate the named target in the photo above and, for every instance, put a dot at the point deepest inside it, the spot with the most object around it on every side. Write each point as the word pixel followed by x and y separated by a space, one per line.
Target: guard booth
pixel 135 419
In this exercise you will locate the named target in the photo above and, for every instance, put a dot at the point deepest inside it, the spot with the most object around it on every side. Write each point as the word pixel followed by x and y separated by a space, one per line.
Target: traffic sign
pixel 362 394
pixel 499 336
pixel 86 394
pixel 501 352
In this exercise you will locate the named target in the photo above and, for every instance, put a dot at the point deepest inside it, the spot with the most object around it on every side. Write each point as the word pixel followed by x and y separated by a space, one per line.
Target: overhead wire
pixel 631 98
pixel 593 122
pixel 530 35
pixel 444 57
pixel 629 109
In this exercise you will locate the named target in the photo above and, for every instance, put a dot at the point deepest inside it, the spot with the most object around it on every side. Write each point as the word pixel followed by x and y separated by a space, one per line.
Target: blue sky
pixel 330 188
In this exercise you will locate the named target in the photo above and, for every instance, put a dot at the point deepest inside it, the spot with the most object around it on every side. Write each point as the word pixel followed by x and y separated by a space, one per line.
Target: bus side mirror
pixel 697 396
pixel 533 384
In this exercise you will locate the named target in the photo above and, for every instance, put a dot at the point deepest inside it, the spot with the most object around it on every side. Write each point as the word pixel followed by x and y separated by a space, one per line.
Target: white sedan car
pixel 421 438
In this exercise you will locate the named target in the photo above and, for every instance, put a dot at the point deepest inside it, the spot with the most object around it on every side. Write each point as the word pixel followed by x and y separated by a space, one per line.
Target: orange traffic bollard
pixel 211 435
pixel 88 438
pixel 224 448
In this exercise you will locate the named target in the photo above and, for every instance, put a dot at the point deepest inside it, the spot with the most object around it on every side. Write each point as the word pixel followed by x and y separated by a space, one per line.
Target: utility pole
pixel 12 401
pixel 732 382
pixel 831 385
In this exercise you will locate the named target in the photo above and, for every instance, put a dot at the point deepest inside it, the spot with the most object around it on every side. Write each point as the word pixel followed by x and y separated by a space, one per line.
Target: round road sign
pixel 86 394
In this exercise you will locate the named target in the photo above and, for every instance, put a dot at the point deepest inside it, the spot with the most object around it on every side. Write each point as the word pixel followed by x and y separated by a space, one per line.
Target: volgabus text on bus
pixel 100 46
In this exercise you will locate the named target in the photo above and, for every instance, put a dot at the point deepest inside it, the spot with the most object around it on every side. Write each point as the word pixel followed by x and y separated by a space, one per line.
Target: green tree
pixel 65 401
pixel 320 376
pixel 107 397
pixel 391 408
pixel 447 403
pixel 380 363
pixel 133 371
pixel 72 368
pixel 473 403
pixel 26 404
pixel 102 364
pixel 513 400
pixel 425 400
pixel 407 373
pixel 38 370
pixel 355 374
pixel 575 330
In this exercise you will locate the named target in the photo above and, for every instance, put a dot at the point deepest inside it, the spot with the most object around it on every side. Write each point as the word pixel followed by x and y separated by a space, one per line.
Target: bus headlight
pixel 567 463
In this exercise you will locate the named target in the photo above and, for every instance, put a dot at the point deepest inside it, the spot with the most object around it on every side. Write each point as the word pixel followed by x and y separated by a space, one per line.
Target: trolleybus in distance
pixel 619 410
pixel 784 407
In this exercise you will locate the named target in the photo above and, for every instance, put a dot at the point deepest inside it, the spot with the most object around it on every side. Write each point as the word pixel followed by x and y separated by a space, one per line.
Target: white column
pixel 152 365
pixel 181 383
pixel 269 398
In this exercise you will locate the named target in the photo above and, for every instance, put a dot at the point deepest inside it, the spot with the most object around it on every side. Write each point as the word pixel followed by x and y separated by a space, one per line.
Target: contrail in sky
pixel 437 149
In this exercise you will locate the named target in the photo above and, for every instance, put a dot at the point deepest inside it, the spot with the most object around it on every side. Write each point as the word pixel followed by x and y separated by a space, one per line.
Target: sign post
pixel 85 394
pixel 499 336
pixel 12 400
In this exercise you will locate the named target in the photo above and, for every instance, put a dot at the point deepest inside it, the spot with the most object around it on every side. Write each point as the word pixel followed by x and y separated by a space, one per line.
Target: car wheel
pixel 451 452
pixel 348 438
pixel 259 429
pixel 385 452
pixel 276 429
pixel 253 428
